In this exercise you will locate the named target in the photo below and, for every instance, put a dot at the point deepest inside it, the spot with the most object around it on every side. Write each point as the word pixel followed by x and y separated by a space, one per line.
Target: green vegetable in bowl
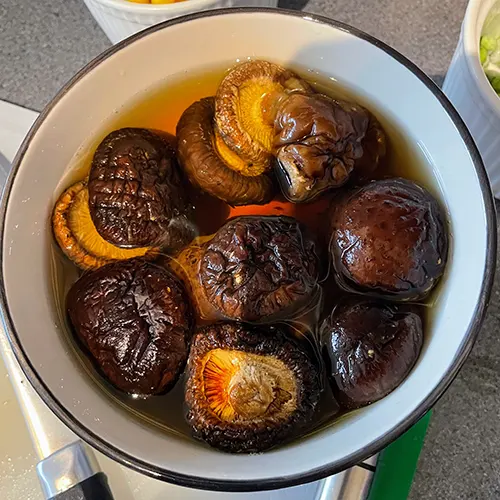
pixel 495 83
pixel 489 48
pixel 488 43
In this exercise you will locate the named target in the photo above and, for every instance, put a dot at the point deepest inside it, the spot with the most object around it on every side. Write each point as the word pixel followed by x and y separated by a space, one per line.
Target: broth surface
pixel 160 109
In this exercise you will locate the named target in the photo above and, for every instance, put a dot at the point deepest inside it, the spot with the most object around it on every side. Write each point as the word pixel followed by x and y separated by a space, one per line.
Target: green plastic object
pixel 397 463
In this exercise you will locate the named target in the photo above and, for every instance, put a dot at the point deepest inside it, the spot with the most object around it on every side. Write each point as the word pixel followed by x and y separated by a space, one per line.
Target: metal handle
pixel 94 488
pixel 72 473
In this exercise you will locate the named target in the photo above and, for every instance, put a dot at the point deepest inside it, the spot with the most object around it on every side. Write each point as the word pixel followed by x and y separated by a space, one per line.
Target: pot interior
pixel 58 146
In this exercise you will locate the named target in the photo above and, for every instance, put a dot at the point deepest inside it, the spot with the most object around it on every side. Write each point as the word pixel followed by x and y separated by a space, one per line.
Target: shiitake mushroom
pixel 77 236
pixel 319 141
pixel 134 320
pixel 374 145
pixel 136 195
pixel 389 239
pixel 245 109
pixel 211 165
pixel 260 268
pixel 248 388
pixel 186 266
pixel 370 348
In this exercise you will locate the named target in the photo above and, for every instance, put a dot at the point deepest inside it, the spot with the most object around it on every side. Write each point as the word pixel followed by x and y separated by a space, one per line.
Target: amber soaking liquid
pixel 161 109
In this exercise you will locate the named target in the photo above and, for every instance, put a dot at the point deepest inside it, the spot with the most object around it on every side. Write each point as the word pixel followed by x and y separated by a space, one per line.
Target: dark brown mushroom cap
pixel 136 197
pixel 319 141
pixel 260 268
pixel 134 320
pixel 389 238
pixel 206 169
pixel 248 389
pixel 370 347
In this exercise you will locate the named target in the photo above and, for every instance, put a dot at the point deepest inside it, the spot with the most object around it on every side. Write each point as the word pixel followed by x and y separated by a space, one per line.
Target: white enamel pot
pixel 373 70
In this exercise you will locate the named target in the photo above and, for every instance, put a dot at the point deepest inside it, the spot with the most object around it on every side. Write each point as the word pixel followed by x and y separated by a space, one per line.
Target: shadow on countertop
pixel 292 4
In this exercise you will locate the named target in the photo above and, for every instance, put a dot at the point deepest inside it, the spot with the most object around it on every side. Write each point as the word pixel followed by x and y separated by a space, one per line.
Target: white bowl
pixel 120 18
pixel 470 91
pixel 81 110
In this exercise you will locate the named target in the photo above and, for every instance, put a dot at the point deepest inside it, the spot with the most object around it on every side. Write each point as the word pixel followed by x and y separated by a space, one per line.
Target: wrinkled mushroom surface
pixel 136 197
pixel 319 141
pixel 134 320
pixel 260 268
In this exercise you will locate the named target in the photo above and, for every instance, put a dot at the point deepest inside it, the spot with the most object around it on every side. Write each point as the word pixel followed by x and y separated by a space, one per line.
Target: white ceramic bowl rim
pixel 330 468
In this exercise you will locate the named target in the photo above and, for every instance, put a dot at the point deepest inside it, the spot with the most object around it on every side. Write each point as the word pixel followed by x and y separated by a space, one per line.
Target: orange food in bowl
pixel 157 2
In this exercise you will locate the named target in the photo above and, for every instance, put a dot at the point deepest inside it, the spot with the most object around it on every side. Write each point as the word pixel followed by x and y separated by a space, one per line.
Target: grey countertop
pixel 43 42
